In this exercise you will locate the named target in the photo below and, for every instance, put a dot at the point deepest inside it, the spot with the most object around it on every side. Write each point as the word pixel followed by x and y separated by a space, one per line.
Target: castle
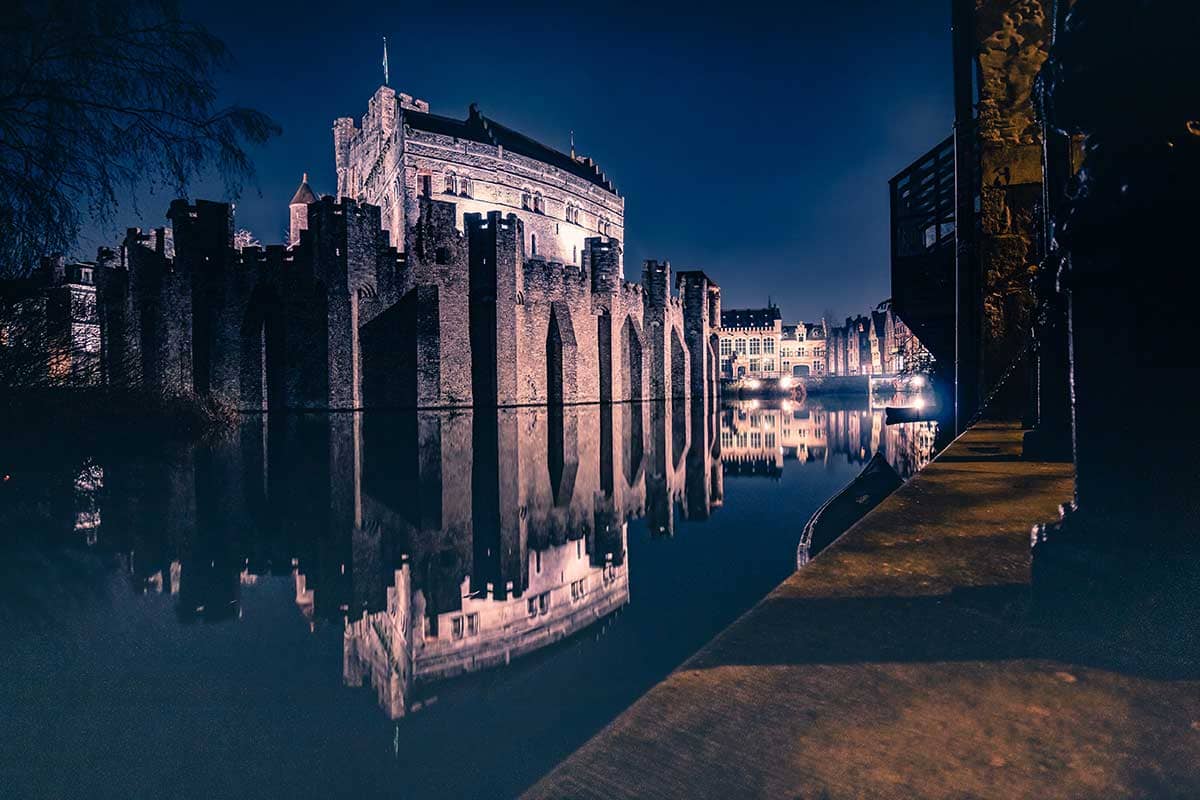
pixel 401 153
pixel 391 297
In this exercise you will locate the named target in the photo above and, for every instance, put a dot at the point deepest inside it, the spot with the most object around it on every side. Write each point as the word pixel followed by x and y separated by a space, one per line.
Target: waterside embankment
pixel 903 662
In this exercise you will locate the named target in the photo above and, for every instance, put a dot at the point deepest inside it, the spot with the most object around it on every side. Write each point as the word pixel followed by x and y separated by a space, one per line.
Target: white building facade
pixel 401 152
pixel 749 343
pixel 802 349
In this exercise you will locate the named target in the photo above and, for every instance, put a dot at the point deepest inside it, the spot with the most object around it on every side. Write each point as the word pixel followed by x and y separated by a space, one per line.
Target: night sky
pixel 750 141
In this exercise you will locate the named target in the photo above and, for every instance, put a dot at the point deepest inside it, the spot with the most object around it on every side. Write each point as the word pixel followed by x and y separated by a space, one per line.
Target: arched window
pixel 539 204
pixel 526 200
pixel 451 183
pixel 465 188
pixel 533 244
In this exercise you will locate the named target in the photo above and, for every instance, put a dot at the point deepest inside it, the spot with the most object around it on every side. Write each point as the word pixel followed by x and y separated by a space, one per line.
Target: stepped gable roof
pixel 478 128
pixel 750 317
pixel 304 195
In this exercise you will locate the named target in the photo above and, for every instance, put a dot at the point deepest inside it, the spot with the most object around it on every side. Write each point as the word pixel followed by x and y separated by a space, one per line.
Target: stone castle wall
pixel 343 321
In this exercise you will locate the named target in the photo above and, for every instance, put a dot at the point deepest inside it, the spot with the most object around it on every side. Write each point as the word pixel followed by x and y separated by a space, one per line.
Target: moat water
pixel 420 605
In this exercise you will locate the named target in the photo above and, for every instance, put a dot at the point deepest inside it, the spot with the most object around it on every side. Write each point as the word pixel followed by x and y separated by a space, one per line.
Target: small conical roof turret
pixel 304 195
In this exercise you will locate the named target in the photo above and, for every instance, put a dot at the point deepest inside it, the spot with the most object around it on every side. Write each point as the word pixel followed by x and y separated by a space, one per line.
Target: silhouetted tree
pixel 97 99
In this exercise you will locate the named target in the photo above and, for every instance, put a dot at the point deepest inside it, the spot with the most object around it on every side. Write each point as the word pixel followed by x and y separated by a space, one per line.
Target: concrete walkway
pixel 899 663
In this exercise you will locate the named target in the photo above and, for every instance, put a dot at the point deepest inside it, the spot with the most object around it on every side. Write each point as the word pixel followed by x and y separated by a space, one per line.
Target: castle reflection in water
pixel 448 542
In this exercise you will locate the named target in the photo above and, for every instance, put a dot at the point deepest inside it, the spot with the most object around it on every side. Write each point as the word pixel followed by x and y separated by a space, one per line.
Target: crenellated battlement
pixel 268 260
pixel 343 319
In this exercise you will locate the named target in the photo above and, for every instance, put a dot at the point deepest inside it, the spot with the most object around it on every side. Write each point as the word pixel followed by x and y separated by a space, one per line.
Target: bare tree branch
pixel 97 99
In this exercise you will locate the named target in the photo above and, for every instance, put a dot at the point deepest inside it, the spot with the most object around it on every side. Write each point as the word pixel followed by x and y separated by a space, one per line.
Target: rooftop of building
pixel 811 330
pixel 478 128
pixel 304 194
pixel 750 317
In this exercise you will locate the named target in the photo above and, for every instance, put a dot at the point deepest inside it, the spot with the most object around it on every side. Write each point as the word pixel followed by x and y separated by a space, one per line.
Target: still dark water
pixel 427 605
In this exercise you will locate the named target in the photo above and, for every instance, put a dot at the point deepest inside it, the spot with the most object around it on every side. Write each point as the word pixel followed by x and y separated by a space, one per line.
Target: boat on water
pixel 877 480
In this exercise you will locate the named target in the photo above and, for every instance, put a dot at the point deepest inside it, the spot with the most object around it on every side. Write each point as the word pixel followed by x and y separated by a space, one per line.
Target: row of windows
pixel 533 202
pixel 459 186
pixel 754 440
pixel 468 626
pixel 463 186
pixel 538 604
pixel 755 346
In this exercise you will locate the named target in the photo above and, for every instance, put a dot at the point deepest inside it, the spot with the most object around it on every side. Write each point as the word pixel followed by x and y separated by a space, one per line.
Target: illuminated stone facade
pixel 750 343
pixel 400 153
pixel 50 327
pixel 802 350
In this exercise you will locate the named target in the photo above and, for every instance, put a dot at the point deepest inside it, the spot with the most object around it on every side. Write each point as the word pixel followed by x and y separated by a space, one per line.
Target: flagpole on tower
pixel 385 64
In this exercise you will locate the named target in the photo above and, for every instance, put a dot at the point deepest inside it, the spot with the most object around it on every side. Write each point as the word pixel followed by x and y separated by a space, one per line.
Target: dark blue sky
pixel 752 141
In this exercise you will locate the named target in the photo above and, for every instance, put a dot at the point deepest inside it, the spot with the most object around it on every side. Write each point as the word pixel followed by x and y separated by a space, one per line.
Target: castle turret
pixel 497 254
pixel 602 260
pixel 656 278
pixel 699 293
pixel 343 134
pixel 298 210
